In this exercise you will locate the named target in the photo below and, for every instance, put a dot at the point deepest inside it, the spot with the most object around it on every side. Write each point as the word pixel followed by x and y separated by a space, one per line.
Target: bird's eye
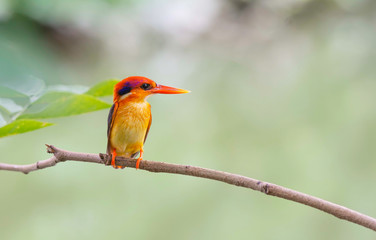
pixel 146 86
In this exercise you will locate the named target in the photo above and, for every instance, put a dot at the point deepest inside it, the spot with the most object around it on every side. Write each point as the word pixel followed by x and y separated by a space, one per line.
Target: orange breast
pixel 129 127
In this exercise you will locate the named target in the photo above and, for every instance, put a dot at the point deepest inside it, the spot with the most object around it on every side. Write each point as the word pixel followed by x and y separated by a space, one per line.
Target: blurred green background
pixel 282 91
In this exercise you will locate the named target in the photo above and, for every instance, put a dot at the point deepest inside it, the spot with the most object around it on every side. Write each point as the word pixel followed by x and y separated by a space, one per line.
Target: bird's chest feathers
pixel 131 122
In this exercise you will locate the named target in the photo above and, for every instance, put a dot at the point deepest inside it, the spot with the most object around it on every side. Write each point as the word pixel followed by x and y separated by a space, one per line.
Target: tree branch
pixel 336 210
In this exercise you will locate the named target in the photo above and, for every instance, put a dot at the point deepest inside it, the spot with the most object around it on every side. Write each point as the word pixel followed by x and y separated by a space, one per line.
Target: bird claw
pixel 113 164
pixel 140 158
pixel 138 162
pixel 117 167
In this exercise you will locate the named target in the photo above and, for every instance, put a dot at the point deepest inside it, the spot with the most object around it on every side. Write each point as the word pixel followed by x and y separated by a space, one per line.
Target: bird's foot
pixel 139 159
pixel 138 162
pixel 113 161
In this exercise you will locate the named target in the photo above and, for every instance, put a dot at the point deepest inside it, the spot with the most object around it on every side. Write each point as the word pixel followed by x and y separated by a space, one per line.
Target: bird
pixel 129 119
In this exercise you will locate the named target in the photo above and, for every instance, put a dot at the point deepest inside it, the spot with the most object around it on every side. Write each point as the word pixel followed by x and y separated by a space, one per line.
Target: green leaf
pixel 29 86
pixel 44 101
pixel 6 92
pixel 3 119
pixel 104 88
pixel 18 97
pixel 61 104
pixel 4 111
pixel 4 116
pixel 78 89
pixel 10 106
pixel 21 126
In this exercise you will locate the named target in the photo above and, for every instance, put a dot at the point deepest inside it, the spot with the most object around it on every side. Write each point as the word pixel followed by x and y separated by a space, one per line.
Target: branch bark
pixel 336 210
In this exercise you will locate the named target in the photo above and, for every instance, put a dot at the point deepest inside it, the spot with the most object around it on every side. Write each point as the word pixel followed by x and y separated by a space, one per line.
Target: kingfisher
pixel 129 118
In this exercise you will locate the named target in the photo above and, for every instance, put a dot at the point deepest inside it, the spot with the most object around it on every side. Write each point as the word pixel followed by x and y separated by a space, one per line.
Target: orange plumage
pixel 129 119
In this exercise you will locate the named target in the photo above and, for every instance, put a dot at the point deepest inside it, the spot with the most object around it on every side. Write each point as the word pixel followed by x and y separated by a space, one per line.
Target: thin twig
pixel 336 210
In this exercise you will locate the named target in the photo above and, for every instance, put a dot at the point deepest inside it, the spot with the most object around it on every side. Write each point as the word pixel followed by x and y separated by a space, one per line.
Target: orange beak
pixel 168 90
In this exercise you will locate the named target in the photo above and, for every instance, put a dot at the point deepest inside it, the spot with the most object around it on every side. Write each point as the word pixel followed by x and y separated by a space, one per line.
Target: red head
pixel 141 87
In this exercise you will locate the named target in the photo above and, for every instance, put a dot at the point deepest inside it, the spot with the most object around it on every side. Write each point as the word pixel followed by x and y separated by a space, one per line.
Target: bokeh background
pixel 282 91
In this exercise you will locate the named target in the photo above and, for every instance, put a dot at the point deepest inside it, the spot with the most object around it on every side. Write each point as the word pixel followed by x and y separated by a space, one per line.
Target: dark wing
pixel 110 121
pixel 147 131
